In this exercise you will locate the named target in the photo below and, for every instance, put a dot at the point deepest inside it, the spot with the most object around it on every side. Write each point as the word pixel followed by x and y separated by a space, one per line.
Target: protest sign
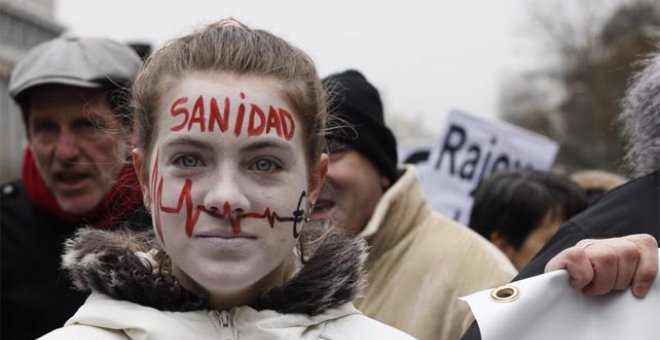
pixel 469 150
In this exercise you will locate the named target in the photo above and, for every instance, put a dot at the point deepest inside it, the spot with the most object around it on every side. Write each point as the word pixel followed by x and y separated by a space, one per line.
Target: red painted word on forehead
pixel 211 114
pixel 193 213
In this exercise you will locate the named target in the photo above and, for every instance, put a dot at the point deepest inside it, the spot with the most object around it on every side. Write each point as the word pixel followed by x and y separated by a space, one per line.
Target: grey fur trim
pixel 332 276
pixel 641 120
pixel 105 262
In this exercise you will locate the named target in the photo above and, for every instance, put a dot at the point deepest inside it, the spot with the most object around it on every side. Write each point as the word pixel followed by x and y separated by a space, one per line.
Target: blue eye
pixel 188 161
pixel 265 165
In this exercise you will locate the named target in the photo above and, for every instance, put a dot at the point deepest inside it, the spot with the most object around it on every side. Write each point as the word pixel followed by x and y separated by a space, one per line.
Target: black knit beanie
pixel 353 99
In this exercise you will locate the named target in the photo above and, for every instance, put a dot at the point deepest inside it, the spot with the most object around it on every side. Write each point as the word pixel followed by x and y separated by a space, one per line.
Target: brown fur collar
pixel 105 262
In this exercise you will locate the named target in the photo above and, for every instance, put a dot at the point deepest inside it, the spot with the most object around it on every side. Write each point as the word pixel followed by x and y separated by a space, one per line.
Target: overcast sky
pixel 426 57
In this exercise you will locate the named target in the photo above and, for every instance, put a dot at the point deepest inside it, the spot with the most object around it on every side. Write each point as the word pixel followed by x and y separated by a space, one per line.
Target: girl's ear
pixel 138 159
pixel 318 177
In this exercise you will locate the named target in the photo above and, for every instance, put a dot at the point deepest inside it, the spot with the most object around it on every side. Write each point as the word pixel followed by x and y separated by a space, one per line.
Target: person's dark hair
pixel 119 96
pixel 418 156
pixel 513 203
pixel 142 49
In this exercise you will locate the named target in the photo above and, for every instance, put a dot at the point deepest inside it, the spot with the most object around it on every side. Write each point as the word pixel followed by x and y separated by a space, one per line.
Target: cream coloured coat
pixel 420 263
pixel 105 318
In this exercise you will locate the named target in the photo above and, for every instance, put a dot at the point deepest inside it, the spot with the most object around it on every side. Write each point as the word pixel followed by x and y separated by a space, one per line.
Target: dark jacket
pixel 37 296
pixel 633 208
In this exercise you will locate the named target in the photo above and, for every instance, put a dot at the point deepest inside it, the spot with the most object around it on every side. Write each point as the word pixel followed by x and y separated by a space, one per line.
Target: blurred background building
pixel 23 24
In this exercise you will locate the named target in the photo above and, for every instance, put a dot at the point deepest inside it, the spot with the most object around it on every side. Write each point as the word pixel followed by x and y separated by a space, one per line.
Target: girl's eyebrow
pixel 187 141
pixel 274 143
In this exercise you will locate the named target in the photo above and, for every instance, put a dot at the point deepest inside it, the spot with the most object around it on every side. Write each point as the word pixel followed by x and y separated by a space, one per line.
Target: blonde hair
pixel 597 180
pixel 229 46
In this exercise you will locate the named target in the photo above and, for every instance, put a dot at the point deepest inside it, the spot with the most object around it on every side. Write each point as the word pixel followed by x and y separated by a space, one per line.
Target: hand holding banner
pixel 545 307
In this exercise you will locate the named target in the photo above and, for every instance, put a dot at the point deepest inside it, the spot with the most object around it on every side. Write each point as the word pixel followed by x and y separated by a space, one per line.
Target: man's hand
pixel 599 266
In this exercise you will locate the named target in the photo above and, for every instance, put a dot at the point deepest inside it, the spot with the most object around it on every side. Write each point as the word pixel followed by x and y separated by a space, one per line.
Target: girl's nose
pixel 226 195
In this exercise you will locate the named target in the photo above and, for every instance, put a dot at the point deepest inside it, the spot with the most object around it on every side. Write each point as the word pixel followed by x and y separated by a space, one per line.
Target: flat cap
pixel 76 61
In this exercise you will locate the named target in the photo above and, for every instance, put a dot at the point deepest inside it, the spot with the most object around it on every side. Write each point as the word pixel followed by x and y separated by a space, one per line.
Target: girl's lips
pixel 224 235
pixel 225 243
pixel 228 237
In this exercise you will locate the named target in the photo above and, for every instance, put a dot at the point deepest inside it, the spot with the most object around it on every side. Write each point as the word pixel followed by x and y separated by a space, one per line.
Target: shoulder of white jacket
pixel 359 326
pixel 78 331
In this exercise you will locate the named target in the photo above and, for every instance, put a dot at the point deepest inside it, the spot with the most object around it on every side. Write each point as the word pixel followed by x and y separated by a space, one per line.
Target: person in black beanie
pixel 419 262
pixel 358 103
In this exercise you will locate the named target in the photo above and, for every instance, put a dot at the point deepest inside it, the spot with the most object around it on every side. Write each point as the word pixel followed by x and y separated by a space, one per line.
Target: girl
pixel 230 160
pixel 230 136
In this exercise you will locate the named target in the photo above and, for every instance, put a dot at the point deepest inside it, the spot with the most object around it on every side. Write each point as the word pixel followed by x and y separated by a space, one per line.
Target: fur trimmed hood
pixel 121 264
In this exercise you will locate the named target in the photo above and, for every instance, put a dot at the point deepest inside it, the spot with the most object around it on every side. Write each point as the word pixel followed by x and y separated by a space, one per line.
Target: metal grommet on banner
pixel 506 293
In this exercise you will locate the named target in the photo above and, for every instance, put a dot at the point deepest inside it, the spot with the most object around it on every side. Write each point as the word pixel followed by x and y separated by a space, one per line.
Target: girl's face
pixel 228 181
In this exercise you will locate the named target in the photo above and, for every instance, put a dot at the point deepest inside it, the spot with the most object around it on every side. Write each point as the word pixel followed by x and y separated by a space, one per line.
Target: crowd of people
pixel 222 188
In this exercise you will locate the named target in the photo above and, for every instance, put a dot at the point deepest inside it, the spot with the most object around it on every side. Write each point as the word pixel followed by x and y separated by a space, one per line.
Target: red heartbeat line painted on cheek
pixel 193 213
pixel 157 199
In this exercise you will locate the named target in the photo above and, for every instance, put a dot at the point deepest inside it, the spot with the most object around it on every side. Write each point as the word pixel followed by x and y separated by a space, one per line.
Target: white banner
pixel 545 307
pixel 469 150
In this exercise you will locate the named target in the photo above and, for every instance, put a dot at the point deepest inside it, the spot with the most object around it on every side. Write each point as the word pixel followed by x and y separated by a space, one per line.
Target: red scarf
pixel 123 199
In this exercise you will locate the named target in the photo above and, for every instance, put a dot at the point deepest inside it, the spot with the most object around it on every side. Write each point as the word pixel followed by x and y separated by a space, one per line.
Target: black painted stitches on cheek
pixel 298 215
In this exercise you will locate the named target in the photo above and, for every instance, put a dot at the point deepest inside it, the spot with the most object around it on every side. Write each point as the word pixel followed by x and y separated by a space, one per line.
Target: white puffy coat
pixel 134 297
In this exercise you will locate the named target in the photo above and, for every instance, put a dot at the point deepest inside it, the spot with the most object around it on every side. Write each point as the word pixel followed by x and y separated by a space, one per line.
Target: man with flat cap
pixel 419 261
pixel 73 94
